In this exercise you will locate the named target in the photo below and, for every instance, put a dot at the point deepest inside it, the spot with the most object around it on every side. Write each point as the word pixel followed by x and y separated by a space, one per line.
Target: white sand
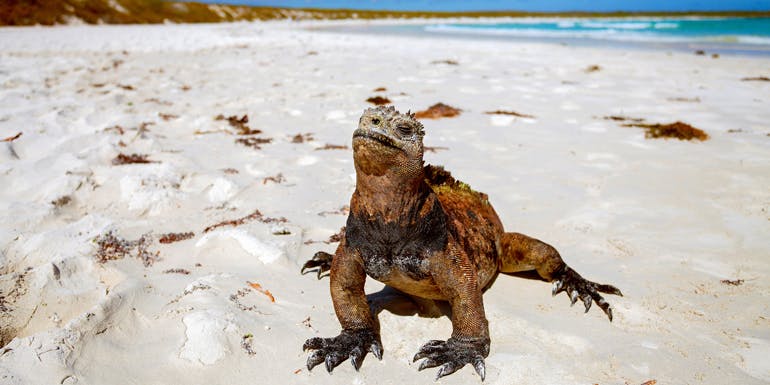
pixel 664 220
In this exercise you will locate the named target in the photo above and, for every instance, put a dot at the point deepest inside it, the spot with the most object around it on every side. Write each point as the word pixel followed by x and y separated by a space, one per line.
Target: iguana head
pixel 388 142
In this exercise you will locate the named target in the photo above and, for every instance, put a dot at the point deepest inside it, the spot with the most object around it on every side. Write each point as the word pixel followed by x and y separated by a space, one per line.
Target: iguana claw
pixel 353 344
pixel 575 286
pixel 322 260
pixel 453 354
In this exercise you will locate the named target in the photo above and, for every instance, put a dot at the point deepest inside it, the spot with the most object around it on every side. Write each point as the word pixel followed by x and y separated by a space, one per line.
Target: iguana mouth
pixel 377 137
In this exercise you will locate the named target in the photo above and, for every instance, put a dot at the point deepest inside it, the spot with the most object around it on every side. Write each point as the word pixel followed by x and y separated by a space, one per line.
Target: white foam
pixel 634 32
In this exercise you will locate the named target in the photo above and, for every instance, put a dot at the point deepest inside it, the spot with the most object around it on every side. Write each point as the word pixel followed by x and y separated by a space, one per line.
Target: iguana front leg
pixel 358 335
pixel 469 343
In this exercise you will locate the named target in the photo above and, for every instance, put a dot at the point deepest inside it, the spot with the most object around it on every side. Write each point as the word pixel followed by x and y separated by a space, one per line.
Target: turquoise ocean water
pixel 727 34
pixel 714 35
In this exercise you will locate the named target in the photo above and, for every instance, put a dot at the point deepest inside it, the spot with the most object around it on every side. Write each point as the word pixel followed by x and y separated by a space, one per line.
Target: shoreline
pixel 415 27
pixel 410 29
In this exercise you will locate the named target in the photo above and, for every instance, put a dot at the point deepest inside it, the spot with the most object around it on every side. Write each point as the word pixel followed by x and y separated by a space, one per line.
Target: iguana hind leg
pixel 519 252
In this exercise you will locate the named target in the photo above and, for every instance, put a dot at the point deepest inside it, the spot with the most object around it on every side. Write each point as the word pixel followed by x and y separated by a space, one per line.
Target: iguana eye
pixel 404 130
pixel 376 121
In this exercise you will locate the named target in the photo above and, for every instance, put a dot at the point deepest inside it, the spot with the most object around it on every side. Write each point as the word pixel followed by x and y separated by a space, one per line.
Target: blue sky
pixel 523 5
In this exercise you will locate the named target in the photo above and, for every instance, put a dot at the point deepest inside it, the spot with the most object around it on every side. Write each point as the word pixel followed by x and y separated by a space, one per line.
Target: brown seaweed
pixel 378 100
pixel 112 247
pixel 678 130
pixel 511 113
pixel 167 117
pixel 592 68
pixel 438 110
pixel 256 215
pixel 253 142
pixel 446 61
pixel 122 159
pixel 756 79
pixel 620 118
pixel 278 179
pixel 301 138
pixel 175 237
pixel 239 124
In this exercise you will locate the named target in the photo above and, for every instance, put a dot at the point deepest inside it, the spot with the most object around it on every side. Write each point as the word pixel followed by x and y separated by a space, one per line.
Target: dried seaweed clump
pixel 175 237
pixel 61 201
pixel 620 118
pixel 511 113
pixel 253 142
pixel 166 116
pixel 239 124
pixel 301 138
pixel 256 215
pixel 678 130
pixel 592 68
pixel 177 271
pixel 378 100
pixel 756 79
pixel 112 247
pixel 122 159
pixel 438 110
pixel 278 179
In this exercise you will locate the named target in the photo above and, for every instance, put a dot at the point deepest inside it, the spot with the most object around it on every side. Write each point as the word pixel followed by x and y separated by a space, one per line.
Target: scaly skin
pixel 420 231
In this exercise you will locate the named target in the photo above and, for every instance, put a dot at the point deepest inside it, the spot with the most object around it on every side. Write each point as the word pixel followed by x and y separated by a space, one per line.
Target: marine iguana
pixel 422 232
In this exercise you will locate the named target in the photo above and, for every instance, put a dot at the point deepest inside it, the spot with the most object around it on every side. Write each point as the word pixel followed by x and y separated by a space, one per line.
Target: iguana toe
pixel 353 344
pixel 577 287
pixel 452 355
